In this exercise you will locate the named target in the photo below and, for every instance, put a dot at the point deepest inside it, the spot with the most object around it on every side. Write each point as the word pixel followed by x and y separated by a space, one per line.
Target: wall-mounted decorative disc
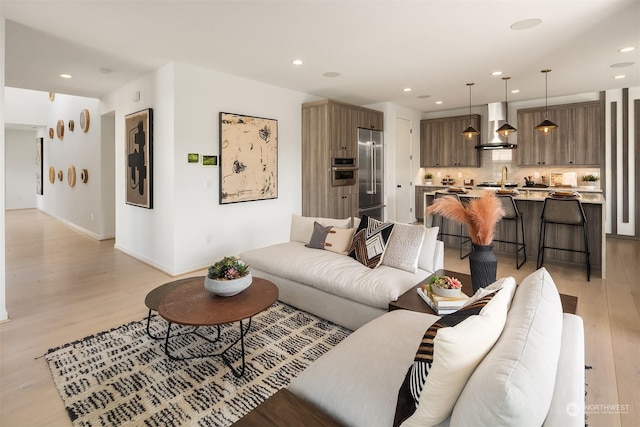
pixel 84 176
pixel 52 96
pixel 60 130
pixel 51 133
pixel 72 125
pixel 71 175
pixel 52 174
pixel 60 175
pixel 84 120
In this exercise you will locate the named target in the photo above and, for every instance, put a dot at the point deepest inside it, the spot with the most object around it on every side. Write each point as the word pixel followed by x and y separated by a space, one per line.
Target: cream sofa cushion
pixel 302 226
pixel 514 383
pixel 428 250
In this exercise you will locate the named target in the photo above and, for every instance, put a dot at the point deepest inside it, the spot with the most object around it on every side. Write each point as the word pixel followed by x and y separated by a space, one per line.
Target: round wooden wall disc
pixel 52 174
pixel 84 176
pixel 84 120
pixel 60 129
pixel 72 125
pixel 71 176
pixel 60 175
pixel 51 133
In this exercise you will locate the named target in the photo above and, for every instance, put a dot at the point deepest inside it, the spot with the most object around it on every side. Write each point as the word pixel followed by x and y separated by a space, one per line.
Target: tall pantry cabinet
pixel 329 130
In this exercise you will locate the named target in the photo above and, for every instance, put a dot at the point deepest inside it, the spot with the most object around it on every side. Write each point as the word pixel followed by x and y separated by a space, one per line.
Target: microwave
pixel 343 171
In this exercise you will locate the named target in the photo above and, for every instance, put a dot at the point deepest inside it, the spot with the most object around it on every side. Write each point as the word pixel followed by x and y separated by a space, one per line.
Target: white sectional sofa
pixel 334 286
pixel 532 376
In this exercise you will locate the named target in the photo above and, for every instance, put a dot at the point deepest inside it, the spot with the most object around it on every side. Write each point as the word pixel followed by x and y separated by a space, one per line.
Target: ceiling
pixel 378 47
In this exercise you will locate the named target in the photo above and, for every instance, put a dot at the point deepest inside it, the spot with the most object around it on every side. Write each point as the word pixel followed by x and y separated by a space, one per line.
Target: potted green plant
pixel 427 178
pixel 590 179
pixel 228 277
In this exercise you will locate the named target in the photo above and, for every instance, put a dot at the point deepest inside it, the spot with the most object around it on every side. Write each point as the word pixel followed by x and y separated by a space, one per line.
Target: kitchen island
pixel 530 204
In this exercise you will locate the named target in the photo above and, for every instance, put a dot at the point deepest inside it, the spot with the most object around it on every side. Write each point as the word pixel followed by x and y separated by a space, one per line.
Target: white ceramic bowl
pixel 445 292
pixel 228 288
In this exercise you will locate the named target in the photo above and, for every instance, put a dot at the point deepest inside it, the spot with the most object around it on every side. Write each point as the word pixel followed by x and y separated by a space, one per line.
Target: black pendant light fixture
pixel 547 125
pixel 470 132
pixel 506 129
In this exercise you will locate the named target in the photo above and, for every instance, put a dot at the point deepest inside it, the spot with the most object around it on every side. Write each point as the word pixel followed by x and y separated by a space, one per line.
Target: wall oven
pixel 343 171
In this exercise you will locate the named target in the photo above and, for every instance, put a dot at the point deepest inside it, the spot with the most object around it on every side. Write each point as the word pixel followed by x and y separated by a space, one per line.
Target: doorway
pixel 404 210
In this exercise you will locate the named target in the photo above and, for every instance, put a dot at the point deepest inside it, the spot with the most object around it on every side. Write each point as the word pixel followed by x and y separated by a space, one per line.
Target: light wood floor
pixel 62 286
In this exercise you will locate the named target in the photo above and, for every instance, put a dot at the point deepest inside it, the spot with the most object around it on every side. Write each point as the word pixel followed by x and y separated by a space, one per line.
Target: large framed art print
pixel 139 158
pixel 248 158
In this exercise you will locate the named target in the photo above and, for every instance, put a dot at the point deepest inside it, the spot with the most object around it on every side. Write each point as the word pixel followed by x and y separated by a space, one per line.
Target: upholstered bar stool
pixel 439 220
pixel 567 212
pixel 513 214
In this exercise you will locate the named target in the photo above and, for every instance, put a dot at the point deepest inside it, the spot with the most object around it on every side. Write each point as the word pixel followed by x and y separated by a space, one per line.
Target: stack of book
pixel 440 304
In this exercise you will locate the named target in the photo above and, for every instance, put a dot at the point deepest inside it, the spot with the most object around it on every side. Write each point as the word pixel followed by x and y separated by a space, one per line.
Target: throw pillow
pixel 370 241
pixel 339 239
pixel 302 226
pixel 404 247
pixel 428 251
pixel 319 236
pixel 450 351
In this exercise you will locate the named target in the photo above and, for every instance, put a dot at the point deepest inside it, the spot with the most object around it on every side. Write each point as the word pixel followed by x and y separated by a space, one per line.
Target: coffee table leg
pixel 222 354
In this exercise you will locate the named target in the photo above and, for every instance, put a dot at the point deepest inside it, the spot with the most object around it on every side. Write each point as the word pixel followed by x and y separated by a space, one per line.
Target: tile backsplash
pixel 492 162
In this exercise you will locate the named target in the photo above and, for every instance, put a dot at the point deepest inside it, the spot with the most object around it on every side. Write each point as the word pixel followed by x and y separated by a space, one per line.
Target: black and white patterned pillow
pixel 409 393
pixel 370 241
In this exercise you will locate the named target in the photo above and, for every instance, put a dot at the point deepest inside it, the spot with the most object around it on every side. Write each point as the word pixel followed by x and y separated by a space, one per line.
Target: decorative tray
pixel 506 191
pixel 564 194
pixel 457 190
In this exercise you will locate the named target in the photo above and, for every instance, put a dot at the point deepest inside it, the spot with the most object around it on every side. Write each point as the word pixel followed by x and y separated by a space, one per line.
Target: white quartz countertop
pixel 538 195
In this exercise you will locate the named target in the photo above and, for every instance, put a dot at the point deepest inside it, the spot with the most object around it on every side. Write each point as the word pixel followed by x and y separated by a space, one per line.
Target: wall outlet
pixel 459 174
pixel 536 175
pixel 438 174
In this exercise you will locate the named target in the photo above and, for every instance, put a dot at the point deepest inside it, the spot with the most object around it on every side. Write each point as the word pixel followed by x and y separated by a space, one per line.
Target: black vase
pixel 484 266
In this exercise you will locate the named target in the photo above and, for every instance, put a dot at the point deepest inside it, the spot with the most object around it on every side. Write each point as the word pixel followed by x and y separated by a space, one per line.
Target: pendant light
pixel 470 132
pixel 506 129
pixel 547 125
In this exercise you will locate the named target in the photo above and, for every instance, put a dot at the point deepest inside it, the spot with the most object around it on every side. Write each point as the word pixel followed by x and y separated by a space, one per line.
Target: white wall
pixel 20 169
pixel 188 229
pixel 3 305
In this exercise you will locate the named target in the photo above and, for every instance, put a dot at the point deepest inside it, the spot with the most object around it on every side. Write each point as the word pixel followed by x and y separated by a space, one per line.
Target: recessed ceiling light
pixel 66 76
pixel 406 89
pixel 622 64
pixel 619 76
pixel 331 74
pixel 438 102
pixel 525 24
pixel 424 96
pixel 106 70
pixel 515 91
pixel 496 73
pixel 627 49
pixel 297 62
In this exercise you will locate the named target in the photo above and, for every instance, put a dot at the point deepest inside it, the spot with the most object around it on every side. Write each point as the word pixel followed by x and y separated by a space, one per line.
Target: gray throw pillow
pixel 319 236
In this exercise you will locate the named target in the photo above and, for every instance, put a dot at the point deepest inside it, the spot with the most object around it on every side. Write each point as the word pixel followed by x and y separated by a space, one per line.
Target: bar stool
pixel 567 212
pixel 513 214
pixel 461 235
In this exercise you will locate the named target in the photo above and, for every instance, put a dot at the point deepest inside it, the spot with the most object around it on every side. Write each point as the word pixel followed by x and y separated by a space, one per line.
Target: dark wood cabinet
pixel 443 145
pixel 576 141
pixel 370 119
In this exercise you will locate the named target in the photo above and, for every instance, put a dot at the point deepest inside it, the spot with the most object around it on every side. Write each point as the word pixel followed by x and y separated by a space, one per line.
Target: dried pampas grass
pixel 480 215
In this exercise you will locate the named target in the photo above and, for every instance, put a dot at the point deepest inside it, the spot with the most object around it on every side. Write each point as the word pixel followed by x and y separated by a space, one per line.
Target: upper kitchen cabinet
pixel 442 143
pixel 576 141
pixel 370 119
pixel 342 124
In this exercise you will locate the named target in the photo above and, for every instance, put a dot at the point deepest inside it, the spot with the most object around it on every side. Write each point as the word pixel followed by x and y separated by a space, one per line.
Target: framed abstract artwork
pixel 248 158
pixel 139 158
pixel 39 165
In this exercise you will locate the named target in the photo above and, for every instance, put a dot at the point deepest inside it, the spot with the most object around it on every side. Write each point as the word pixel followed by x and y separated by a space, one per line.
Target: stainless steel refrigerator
pixel 371 173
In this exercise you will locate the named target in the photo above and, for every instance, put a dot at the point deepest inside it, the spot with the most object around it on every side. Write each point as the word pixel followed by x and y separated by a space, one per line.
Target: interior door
pixel 403 187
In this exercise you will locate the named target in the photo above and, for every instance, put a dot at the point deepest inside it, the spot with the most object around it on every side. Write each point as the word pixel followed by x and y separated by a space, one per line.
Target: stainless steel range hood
pixel 497 117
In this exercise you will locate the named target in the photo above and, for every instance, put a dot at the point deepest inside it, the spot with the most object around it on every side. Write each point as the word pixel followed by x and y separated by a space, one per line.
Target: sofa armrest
pixel 567 404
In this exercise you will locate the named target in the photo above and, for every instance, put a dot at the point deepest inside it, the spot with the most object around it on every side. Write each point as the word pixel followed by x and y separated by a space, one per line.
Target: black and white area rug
pixel 122 377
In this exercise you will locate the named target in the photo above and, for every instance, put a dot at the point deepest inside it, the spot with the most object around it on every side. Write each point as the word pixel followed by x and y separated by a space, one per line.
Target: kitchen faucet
pixel 505 175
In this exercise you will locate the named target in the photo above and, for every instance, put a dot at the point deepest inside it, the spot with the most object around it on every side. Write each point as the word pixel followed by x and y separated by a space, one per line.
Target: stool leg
pixel 586 250
pixel 523 248
pixel 543 235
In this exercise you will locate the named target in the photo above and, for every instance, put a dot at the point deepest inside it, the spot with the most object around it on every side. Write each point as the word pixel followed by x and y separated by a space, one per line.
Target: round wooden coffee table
pixel 192 305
